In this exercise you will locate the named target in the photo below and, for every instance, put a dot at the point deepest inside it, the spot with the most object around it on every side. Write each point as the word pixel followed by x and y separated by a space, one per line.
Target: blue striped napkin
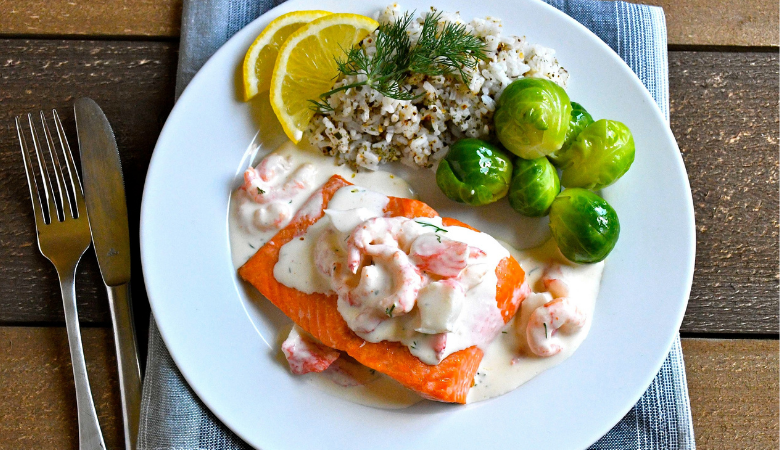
pixel 172 417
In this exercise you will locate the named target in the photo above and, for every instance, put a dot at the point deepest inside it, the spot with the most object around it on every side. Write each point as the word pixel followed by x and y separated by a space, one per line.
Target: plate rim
pixel 145 254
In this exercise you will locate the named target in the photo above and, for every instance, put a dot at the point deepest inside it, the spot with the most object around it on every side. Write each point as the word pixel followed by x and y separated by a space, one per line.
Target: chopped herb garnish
pixel 545 330
pixel 354 190
pixel 503 332
pixel 389 311
pixel 425 224
pixel 442 48
pixel 260 191
pixel 438 238
pixel 251 245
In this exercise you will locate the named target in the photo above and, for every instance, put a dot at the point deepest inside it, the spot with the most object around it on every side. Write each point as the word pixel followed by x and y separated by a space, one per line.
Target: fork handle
pixel 127 360
pixel 90 436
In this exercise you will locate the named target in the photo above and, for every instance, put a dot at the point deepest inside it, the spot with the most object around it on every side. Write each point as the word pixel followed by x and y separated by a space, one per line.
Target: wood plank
pixel 91 17
pixel 725 117
pixel 689 22
pixel 134 83
pixel 733 385
pixel 724 114
pixel 37 397
pixel 720 22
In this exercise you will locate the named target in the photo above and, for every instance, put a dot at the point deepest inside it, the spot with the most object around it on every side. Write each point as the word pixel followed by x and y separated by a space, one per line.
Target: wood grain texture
pixel 725 117
pixel 37 397
pixel 159 18
pixel 689 22
pixel 720 22
pixel 133 82
pixel 733 386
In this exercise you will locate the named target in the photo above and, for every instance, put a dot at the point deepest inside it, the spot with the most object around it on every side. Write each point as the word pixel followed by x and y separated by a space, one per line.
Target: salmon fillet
pixel 448 381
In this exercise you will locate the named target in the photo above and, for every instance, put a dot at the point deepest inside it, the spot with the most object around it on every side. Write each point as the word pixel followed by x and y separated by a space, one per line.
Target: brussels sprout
pixel 532 117
pixel 474 172
pixel 583 225
pixel 534 186
pixel 578 121
pixel 600 155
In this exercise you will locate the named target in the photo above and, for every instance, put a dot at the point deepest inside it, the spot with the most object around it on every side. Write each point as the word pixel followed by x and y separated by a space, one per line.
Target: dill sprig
pixel 442 49
pixel 436 229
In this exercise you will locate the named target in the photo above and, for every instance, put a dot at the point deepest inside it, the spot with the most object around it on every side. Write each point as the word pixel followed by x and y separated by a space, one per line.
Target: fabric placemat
pixel 172 417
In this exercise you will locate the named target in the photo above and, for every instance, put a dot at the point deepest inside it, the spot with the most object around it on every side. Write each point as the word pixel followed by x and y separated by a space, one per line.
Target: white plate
pixel 224 344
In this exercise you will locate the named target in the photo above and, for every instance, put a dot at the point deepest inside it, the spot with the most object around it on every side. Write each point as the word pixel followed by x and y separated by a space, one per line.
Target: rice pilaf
pixel 366 128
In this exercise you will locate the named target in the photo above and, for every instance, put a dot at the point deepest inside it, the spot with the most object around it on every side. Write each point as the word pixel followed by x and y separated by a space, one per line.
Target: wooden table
pixel 723 65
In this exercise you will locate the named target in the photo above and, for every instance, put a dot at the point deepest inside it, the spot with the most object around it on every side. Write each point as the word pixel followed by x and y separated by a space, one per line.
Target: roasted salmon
pixel 448 381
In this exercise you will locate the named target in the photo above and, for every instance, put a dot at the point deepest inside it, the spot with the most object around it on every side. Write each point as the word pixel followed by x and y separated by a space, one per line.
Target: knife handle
pixel 127 360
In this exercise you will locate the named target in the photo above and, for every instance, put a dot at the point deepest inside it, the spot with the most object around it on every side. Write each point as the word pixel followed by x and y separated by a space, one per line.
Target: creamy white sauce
pixel 246 239
pixel 354 382
pixel 507 363
pixel 345 378
pixel 478 318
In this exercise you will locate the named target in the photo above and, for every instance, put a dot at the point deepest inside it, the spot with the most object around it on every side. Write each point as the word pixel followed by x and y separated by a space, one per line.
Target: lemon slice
pixel 306 66
pixel 261 56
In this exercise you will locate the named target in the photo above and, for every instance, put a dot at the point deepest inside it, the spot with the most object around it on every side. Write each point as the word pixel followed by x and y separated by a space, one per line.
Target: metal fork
pixel 63 235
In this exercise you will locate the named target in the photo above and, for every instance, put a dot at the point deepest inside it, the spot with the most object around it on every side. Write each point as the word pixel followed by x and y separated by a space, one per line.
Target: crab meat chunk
pixel 304 354
pixel 440 304
pixel 441 256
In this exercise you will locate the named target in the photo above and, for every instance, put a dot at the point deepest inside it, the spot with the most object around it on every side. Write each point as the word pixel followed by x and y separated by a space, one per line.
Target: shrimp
pixel 379 236
pixel 328 261
pixel 547 320
pixel 270 216
pixel 407 283
pixel 383 242
pixel 363 291
pixel 274 180
pixel 552 278
pixel 441 256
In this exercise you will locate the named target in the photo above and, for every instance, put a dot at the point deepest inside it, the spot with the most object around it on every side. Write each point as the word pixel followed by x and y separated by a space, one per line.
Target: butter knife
pixel 104 192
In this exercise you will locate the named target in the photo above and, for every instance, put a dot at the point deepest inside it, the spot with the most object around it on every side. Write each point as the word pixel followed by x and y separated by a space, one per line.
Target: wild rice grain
pixel 366 129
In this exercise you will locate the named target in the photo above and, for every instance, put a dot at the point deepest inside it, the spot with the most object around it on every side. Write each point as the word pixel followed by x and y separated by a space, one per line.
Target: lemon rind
pixel 358 20
pixel 303 17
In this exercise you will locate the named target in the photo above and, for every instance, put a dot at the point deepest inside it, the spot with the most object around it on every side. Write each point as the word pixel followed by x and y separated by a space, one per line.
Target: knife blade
pixel 104 193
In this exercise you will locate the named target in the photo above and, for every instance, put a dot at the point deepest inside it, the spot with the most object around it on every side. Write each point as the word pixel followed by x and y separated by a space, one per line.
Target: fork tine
pixel 40 220
pixel 77 193
pixel 61 194
pixel 48 188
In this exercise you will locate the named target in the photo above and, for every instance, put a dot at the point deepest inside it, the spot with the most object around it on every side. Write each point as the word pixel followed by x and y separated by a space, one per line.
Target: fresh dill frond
pixel 435 228
pixel 321 106
pixel 446 51
pixel 443 48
